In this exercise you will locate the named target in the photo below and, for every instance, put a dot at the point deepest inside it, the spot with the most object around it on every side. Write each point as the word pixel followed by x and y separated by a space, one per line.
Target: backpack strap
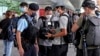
pixel 83 22
pixel 51 18
pixel 43 18
pixel 64 37
pixel 82 29
pixel 26 18
pixel 70 22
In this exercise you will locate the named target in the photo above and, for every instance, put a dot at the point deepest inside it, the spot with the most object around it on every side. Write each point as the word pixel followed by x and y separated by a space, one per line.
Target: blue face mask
pixel 22 9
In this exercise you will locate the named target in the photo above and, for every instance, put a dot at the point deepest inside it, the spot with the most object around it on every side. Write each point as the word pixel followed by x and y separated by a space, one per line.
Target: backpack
pixel 30 33
pixel 10 32
pixel 7 32
pixel 93 31
pixel 15 20
pixel 69 37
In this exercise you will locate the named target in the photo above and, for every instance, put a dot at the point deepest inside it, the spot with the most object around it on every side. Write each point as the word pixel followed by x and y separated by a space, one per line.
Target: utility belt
pixel 27 41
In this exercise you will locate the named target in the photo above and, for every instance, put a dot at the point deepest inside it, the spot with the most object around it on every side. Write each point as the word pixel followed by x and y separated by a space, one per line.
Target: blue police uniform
pixel 21 26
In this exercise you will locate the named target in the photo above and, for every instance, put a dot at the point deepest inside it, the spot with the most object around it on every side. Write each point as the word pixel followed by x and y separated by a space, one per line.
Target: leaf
pixel 11 4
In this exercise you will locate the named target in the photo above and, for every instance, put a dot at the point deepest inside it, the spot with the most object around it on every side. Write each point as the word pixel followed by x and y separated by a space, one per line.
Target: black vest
pixel 30 33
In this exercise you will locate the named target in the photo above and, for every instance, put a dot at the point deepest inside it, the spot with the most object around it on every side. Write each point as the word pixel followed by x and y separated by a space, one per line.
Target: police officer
pixel 59 47
pixel 26 32
pixel 89 7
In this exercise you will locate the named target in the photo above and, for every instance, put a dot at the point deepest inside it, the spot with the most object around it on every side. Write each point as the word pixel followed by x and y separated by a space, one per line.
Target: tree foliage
pixel 11 4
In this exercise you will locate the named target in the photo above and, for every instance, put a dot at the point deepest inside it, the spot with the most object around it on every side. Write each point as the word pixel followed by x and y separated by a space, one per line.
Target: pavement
pixel 14 50
pixel 71 51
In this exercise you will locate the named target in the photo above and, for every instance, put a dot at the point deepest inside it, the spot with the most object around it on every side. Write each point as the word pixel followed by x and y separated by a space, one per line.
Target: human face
pixel 87 10
pixel 59 10
pixel 48 14
pixel 32 13
pixel 23 9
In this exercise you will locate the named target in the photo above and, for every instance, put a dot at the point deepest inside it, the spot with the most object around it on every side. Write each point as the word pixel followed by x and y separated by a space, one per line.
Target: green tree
pixel 11 4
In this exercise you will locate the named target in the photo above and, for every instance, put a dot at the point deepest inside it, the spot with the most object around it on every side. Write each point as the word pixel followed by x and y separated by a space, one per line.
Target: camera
pixel 47 26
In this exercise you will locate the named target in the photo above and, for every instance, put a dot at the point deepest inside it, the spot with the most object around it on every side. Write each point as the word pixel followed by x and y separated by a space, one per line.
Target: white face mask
pixel 48 16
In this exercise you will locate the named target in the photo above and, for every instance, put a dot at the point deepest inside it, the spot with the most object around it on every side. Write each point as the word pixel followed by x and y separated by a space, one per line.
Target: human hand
pixel 48 35
pixel 36 47
pixel 21 51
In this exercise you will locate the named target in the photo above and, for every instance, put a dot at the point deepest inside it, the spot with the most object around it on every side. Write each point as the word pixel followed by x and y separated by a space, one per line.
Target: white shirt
pixel 63 21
